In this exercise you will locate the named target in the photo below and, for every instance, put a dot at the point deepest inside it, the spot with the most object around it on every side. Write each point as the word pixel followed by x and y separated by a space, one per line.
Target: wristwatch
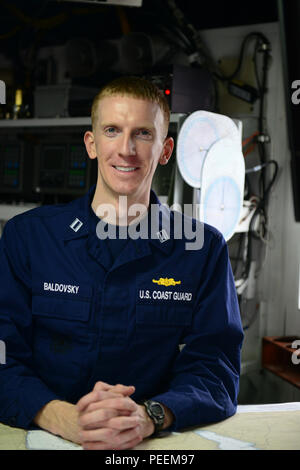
pixel 157 413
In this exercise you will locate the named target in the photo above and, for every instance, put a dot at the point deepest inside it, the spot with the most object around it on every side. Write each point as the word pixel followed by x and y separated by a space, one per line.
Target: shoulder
pixel 42 211
pixel 38 214
pixel 192 228
pixel 47 216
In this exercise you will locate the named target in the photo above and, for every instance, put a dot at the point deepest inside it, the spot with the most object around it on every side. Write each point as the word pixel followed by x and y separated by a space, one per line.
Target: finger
pixel 97 405
pixel 116 422
pixel 107 409
pixel 86 400
pixel 97 417
pixel 130 444
pixel 94 396
pixel 108 446
pixel 124 389
pixel 102 386
pixel 97 425
pixel 121 423
pixel 119 403
pixel 109 435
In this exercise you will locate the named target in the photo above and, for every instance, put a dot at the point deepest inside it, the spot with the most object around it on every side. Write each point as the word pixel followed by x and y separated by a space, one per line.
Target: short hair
pixel 135 87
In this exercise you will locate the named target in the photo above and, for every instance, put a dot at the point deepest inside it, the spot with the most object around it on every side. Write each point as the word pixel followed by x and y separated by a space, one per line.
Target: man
pixel 92 326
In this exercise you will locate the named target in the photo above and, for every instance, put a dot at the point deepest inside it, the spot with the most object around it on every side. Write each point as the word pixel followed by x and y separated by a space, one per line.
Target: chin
pixel 123 191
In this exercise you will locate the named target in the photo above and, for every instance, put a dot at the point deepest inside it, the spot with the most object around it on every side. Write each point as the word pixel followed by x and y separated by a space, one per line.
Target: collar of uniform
pixel 141 246
pixel 79 217
pixel 80 220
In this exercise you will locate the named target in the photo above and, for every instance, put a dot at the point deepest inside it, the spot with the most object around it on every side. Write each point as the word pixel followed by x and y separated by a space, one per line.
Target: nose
pixel 127 145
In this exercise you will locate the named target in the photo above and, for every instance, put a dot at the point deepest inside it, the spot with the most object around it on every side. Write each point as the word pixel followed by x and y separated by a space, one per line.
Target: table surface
pixel 261 427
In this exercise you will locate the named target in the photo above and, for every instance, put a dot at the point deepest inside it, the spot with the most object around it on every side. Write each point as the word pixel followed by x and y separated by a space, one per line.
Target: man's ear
pixel 90 146
pixel 167 151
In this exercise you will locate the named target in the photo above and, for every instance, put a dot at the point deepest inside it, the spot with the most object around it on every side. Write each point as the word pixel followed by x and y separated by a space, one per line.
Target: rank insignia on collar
pixel 76 225
pixel 162 236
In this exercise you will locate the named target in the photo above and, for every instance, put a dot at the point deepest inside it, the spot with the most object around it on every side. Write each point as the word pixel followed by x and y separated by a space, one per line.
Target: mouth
pixel 126 169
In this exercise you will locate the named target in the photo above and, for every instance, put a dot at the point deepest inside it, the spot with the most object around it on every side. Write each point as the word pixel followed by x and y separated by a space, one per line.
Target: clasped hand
pixel 109 419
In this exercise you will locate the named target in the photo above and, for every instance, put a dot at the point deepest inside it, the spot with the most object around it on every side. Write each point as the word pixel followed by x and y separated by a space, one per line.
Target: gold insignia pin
pixel 164 281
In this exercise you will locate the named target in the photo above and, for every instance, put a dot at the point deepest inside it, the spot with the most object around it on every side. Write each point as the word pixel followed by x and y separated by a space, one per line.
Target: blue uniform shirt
pixel 71 316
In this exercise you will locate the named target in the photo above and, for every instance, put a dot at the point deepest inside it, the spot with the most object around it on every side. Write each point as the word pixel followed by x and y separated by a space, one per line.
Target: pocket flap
pixel 62 308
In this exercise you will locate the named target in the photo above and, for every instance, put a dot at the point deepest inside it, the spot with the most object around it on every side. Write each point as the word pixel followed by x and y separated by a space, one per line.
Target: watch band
pixel 157 413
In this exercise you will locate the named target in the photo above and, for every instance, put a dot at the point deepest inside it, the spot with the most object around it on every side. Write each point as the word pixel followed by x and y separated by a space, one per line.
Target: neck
pixel 118 209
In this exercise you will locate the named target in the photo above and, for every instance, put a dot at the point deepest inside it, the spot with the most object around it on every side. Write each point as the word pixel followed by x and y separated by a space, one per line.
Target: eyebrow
pixel 139 128
pixel 108 124
pixel 148 128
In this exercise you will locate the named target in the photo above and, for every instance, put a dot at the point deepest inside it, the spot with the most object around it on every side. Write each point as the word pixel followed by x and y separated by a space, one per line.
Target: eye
pixel 110 131
pixel 144 134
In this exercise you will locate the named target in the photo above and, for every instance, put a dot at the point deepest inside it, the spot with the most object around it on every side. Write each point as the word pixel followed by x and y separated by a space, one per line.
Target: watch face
pixel 157 410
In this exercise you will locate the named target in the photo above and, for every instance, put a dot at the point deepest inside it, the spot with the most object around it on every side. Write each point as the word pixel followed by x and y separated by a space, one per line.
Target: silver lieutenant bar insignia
pixel 163 236
pixel 76 224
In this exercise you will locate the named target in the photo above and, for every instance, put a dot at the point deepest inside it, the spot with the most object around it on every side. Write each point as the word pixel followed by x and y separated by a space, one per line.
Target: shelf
pixel 63 121
pixel 277 358
pixel 45 122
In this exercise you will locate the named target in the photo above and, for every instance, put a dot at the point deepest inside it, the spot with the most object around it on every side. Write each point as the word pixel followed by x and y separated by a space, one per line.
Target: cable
pixel 250 138
pixel 249 36
pixel 37 23
pixel 193 36
pixel 256 67
pixel 262 45
pixel 10 33
pixel 47 23
pixel 238 255
pixel 260 209
pixel 257 167
pixel 261 146
pixel 174 34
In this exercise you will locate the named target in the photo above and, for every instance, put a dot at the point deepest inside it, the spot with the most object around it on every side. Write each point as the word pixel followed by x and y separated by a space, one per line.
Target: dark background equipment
pixel 56 54
pixel 289 18
pixel 187 89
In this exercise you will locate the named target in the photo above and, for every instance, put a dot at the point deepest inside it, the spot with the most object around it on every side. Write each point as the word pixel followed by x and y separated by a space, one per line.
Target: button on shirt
pixel 71 315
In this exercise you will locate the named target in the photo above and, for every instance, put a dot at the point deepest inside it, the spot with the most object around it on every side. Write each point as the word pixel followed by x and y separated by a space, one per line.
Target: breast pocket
pixel 60 308
pixel 63 302
pixel 163 311
pixel 61 337
pixel 159 331
pixel 165 302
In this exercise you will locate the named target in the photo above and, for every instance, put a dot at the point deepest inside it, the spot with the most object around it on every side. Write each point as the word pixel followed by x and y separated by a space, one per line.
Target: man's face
pixel 129 142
